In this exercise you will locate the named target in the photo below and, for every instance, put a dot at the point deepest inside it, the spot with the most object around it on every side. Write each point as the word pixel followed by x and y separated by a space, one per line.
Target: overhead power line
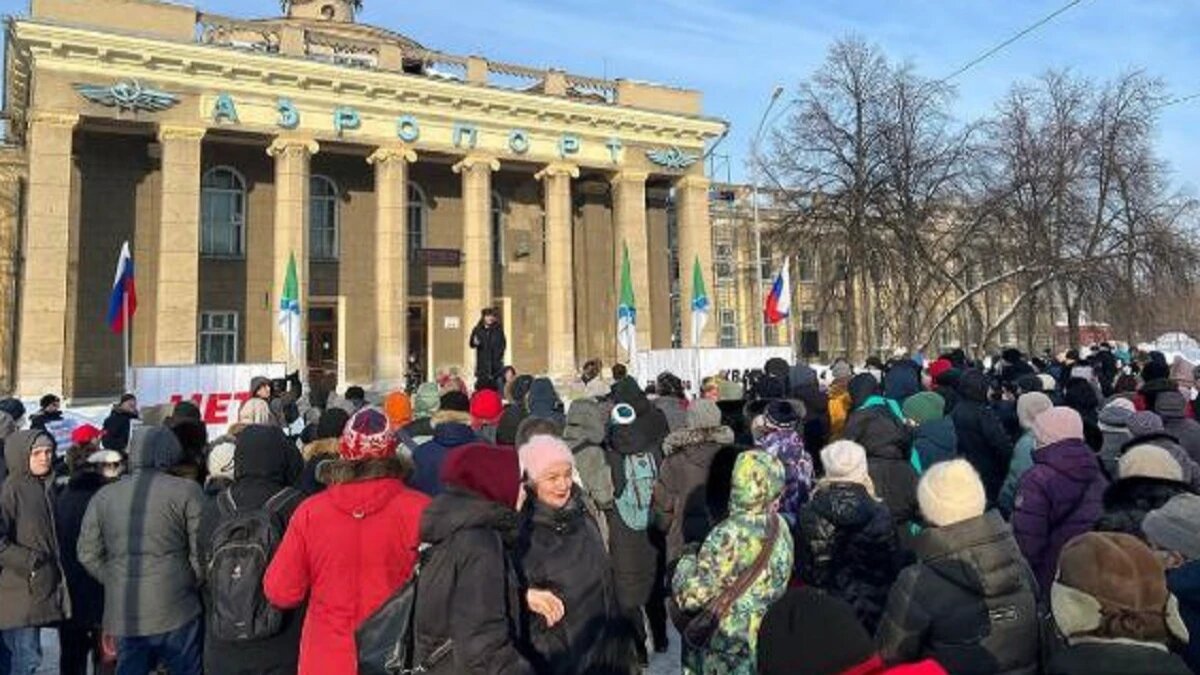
pixel 1181 99
pixel 1022 33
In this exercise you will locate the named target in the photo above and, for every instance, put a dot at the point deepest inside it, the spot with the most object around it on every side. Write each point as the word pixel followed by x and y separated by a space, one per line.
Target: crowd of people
pixel 1019 515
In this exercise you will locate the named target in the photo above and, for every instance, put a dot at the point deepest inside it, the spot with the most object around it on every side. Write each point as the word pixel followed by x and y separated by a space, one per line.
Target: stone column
pixel 391 265
pixel 476 172
pixel 293 156
pixel 560 294
pixel 629 218
pixel 178 271
pixel 12 174
pixel 41 334
pixel 694 240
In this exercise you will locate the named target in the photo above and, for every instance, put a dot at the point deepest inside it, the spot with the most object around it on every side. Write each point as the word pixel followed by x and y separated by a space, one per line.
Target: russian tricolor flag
pixel 779 300
pixel 122 303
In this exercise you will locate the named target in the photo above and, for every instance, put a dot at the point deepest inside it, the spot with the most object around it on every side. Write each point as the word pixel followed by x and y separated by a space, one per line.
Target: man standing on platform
pixel 489 343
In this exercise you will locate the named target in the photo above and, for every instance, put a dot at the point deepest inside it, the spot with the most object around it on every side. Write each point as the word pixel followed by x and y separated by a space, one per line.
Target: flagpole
pixel 125 337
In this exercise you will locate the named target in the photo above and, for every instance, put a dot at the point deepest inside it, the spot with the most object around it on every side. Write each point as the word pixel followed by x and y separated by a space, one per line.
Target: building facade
pixel 748 253
pixel 413 188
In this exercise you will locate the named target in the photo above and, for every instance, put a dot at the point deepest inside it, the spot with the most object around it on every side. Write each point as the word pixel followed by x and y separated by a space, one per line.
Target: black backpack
pixel 242 547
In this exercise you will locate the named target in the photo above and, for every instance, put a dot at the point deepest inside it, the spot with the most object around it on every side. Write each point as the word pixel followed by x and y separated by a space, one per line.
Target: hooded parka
pixel 468 592
pixel 982 440
pixel 265 464
pixel 346 551
pixel 140 539
pixel 679 495
pixel 730 549
pixel 33 586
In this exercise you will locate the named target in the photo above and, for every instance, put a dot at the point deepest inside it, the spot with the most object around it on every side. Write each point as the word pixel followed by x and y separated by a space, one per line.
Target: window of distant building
pixel 322 219
pixel 417 212
pixel 222 212
pixel 729 336
pixel 218 337
pixel 498 206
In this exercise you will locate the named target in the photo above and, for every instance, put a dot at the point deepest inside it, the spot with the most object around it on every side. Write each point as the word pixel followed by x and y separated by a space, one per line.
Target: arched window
pixel 417 208
pixel 222 212
pixel 322 218
pixel 497 230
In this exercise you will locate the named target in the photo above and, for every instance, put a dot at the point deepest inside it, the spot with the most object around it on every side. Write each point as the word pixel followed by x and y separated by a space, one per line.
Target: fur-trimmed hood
pixel 323 447
pixel 683 439
pixel 340 471
pixel 445 416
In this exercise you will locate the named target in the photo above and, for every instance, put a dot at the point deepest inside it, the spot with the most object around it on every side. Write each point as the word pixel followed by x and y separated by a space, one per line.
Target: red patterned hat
pixel 367 436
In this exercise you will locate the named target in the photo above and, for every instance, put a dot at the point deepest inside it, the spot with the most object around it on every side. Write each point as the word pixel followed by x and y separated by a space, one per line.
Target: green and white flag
pixel 627 311
pixel 289 309
pixel 700 303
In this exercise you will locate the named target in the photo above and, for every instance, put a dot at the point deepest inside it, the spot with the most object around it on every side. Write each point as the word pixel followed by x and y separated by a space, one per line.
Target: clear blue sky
pixel 736 51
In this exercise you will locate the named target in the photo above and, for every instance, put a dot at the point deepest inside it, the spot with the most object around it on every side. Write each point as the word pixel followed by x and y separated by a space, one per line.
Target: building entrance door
pixel 322 348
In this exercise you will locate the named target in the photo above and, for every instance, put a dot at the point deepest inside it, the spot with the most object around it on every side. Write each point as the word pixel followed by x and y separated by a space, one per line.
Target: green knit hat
pixel 926 406
pixel 427 401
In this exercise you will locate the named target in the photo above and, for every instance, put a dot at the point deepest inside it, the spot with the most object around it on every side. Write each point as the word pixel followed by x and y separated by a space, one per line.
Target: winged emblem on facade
pixel 128 95
pixel 671 158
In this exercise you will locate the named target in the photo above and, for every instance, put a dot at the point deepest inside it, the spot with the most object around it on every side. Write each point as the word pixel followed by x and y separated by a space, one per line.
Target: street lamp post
pixel 758 260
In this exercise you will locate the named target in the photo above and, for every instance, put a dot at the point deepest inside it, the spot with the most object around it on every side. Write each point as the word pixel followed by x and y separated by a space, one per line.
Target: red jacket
pixel 875 666
pixel 346 550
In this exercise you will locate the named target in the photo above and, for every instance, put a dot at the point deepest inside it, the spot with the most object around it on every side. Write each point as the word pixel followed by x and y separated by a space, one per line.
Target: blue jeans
pixel 24 647
pixel 181 650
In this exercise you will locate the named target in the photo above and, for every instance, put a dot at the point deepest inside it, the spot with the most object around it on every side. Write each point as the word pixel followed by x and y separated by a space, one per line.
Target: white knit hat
pixel 1149 461
pixel 220 461
pixel 845 461
pixel 951 492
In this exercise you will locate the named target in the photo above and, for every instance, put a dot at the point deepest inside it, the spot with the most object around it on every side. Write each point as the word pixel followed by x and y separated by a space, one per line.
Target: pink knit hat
pixel 1057 424
pixel 541 452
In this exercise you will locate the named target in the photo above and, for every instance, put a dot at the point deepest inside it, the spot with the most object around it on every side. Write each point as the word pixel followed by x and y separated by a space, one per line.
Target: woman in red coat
pixel 349 548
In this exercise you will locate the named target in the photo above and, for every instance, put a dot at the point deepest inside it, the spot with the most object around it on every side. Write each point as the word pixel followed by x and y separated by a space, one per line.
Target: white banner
pixel 693 365
pixel 218 390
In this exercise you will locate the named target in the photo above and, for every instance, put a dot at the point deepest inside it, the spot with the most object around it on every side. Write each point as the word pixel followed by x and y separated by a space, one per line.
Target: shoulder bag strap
pixel 723 602
pixel 226 499
pixel 277 501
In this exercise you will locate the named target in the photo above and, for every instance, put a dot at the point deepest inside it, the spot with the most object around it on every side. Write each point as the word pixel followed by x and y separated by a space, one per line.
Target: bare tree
pixel 829 148
pixel 1058 203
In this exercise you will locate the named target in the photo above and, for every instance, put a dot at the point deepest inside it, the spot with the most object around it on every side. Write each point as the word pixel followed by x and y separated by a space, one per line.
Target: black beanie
pixel 456 401
pixel 809 631
pixel 1155 370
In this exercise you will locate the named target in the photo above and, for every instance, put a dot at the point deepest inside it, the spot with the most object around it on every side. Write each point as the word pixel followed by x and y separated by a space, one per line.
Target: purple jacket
pixel 1060 497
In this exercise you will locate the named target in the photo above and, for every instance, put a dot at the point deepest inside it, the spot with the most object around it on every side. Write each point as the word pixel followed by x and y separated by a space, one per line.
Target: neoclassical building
pixel 414 188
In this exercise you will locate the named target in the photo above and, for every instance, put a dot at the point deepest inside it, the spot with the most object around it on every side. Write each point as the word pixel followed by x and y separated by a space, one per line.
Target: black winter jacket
pixel 1127 501
pixel 887 442
pixel 847 546
pixel 489 345
pixel 264 464
pixel 968 604
pixel 561 550
pixel 982 440
pixel 87 594
pixel 468 592
pixel 116 429
pixel 33 588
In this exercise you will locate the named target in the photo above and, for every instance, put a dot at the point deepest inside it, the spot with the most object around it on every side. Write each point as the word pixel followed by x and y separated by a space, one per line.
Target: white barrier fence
pixel 218 390
pixel 693 365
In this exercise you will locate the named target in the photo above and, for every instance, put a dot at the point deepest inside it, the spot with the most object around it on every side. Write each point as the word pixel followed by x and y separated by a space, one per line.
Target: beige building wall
pixel 95 177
